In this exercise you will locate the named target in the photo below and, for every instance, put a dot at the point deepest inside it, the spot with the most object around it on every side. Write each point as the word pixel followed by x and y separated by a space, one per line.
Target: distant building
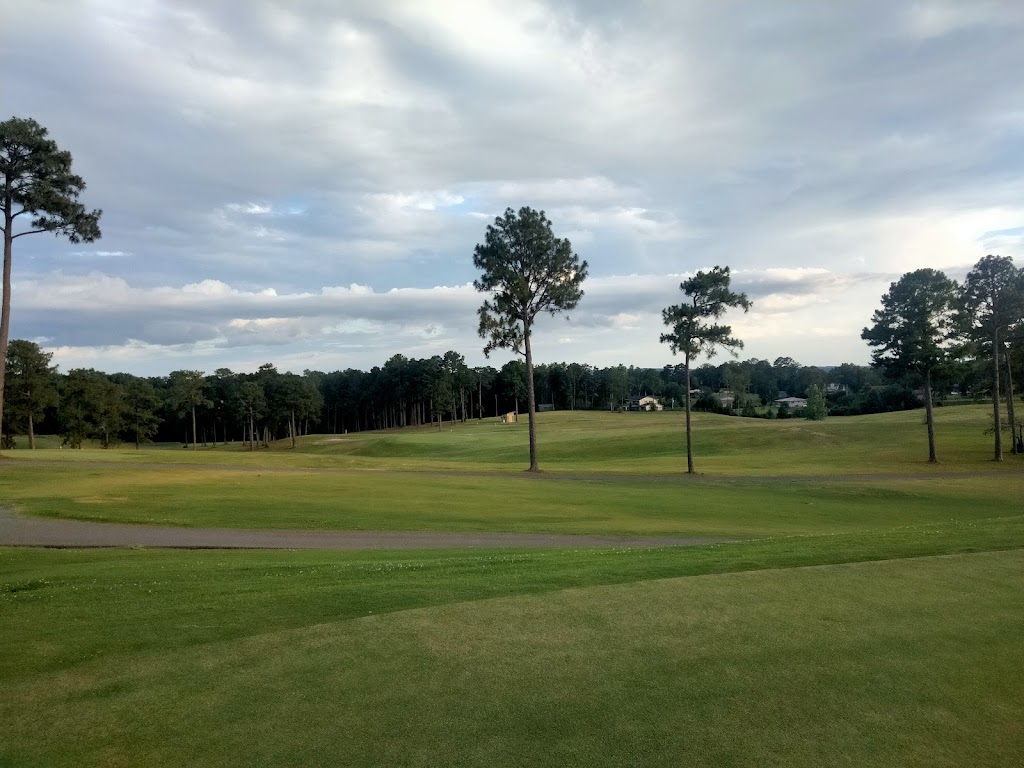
pixel 645 403
pixel 792 402
pixel 545 406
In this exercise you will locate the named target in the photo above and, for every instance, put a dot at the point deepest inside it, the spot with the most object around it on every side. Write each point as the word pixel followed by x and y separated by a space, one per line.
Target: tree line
pixel 196 408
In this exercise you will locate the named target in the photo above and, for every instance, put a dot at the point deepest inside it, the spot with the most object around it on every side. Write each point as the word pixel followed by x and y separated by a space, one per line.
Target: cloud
pixel 267 168
pixel 358 326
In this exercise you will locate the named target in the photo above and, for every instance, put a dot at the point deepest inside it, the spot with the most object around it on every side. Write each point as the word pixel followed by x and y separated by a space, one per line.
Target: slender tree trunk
pixel 689 433
pixel 31 433
pixel 5 311
pixel 293 429
pixel 195 437
pixel 531 408
pixel 995 397
pixel 929 417
pixel 252 432
pixel 495 406
pixel 138 437
pixel 1010 411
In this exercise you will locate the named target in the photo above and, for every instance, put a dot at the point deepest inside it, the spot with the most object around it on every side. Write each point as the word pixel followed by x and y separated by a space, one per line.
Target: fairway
pixel 862 607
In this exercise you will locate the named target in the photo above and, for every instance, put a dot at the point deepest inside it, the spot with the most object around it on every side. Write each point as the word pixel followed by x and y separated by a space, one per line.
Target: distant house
pixel 832 388
pixel 726 397
pixel 545 406
pixel 792 402
pixel 649 403
pixel 645 403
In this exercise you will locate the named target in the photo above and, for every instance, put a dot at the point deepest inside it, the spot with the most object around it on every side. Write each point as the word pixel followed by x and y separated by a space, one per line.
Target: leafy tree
pixel 253 404
pixel 991 307
pixel 91 405
pixel 440 388
pixel 512 382
pixel 913 331
pixel 458 374
pixel 141 403
pixel 817 408
pixel 617 380
pixel 693 332
pixel 31 384
pixel 188 392
pixel 526 271
pixel 300 400
pixel 485 378
pixel 37 182
pixel 575 373
pixel 222 388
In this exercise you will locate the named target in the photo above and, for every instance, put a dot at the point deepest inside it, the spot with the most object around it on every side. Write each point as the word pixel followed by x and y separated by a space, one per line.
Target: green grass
pixel 212 658
pixel 621 443
pixel 871 611
pixel 316 487
pixel 186 496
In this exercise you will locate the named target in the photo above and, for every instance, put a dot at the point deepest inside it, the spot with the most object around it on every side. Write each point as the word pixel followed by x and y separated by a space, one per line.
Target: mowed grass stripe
pixel 61 608
pixel 619 443
pixel 366 501
pixel 842 665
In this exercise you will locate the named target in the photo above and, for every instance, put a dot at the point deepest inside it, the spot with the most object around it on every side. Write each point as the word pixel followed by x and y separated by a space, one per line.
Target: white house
pixel 792 402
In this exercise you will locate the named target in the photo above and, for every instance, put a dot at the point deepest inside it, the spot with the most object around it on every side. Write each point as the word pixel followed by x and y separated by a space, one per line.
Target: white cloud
pixel 269 168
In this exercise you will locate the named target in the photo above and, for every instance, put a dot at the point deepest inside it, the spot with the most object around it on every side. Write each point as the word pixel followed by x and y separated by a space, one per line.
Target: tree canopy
pixel 694 331
pixel 992 306
pixel 913 332
pixel 31 385
pixel 36 181
pixel 526 270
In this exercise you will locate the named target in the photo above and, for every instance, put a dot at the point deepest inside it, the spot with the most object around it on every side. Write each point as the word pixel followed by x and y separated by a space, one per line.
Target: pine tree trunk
pixel 5 311
pixel 31 433
pixel 995 397
pixel 929 417
pixel 1010 411
pixel 689 433
pixel 531 408
pixel 195 437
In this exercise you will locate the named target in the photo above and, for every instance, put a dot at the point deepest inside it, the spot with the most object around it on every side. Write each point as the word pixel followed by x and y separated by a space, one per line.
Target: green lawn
pixel 212 658
pixel 870 611
pixel 371 501
pixel 621 443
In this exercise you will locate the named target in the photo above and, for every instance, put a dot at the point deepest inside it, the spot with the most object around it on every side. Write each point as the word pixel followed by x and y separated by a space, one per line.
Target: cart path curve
pixel 19 531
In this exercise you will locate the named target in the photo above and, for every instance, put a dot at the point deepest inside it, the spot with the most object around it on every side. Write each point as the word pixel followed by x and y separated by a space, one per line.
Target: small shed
pixel 508 418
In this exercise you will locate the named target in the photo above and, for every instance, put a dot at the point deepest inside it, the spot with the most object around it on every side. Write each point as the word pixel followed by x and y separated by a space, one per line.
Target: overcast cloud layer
pixel 303 181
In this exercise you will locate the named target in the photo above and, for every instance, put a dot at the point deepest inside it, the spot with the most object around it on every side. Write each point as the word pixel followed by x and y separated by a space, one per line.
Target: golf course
pixel 818 594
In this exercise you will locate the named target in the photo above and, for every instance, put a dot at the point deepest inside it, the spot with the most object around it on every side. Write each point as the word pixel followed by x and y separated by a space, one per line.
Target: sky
pixel 303 182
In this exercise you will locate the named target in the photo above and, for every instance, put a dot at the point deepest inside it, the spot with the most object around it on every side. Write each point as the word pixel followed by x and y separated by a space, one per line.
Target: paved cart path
pixel 16 530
